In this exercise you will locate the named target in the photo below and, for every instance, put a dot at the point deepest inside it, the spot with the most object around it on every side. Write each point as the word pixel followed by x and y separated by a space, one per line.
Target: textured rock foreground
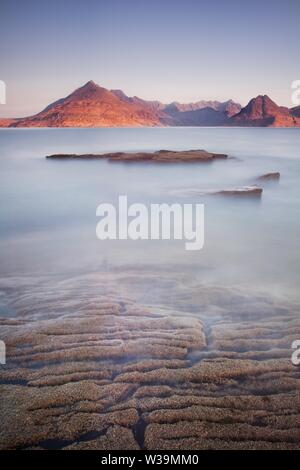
pixel 171 156
pixel 138 359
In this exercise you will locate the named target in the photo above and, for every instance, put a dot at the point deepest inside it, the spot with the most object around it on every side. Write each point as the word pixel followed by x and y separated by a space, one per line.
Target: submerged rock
pixel 269 176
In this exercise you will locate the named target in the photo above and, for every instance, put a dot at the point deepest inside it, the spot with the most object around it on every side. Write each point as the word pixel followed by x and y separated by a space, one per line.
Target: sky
pixel 167 49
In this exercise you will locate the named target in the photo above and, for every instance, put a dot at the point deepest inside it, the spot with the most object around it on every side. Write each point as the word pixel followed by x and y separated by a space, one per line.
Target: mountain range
pixel 94 106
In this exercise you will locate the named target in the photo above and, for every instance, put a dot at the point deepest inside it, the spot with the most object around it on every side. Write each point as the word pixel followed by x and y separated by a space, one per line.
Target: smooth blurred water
pixel 48 208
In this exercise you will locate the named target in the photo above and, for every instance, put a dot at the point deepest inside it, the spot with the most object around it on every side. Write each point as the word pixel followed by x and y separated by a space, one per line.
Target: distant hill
pixel 94 106
pixel 262 111
pixel 91 106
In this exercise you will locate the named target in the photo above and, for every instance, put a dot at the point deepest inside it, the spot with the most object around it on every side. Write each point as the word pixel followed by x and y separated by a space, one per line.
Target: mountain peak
pixel 90 90
pixel 264 98
pixel 262 111
pixel 90 83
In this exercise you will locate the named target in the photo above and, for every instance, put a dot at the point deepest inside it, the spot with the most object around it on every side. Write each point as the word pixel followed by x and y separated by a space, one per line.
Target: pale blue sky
pixel 167 50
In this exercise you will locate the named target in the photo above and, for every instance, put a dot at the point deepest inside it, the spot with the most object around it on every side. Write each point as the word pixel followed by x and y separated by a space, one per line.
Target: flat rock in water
pixel 251 191
pixel 244 191
pixel 158 156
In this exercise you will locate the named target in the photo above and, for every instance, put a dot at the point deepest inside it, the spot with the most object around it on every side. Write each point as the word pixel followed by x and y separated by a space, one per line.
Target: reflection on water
pixel 48 221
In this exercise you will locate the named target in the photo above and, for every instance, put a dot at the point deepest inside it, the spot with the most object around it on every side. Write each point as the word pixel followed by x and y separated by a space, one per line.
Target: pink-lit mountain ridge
pixel 94 106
